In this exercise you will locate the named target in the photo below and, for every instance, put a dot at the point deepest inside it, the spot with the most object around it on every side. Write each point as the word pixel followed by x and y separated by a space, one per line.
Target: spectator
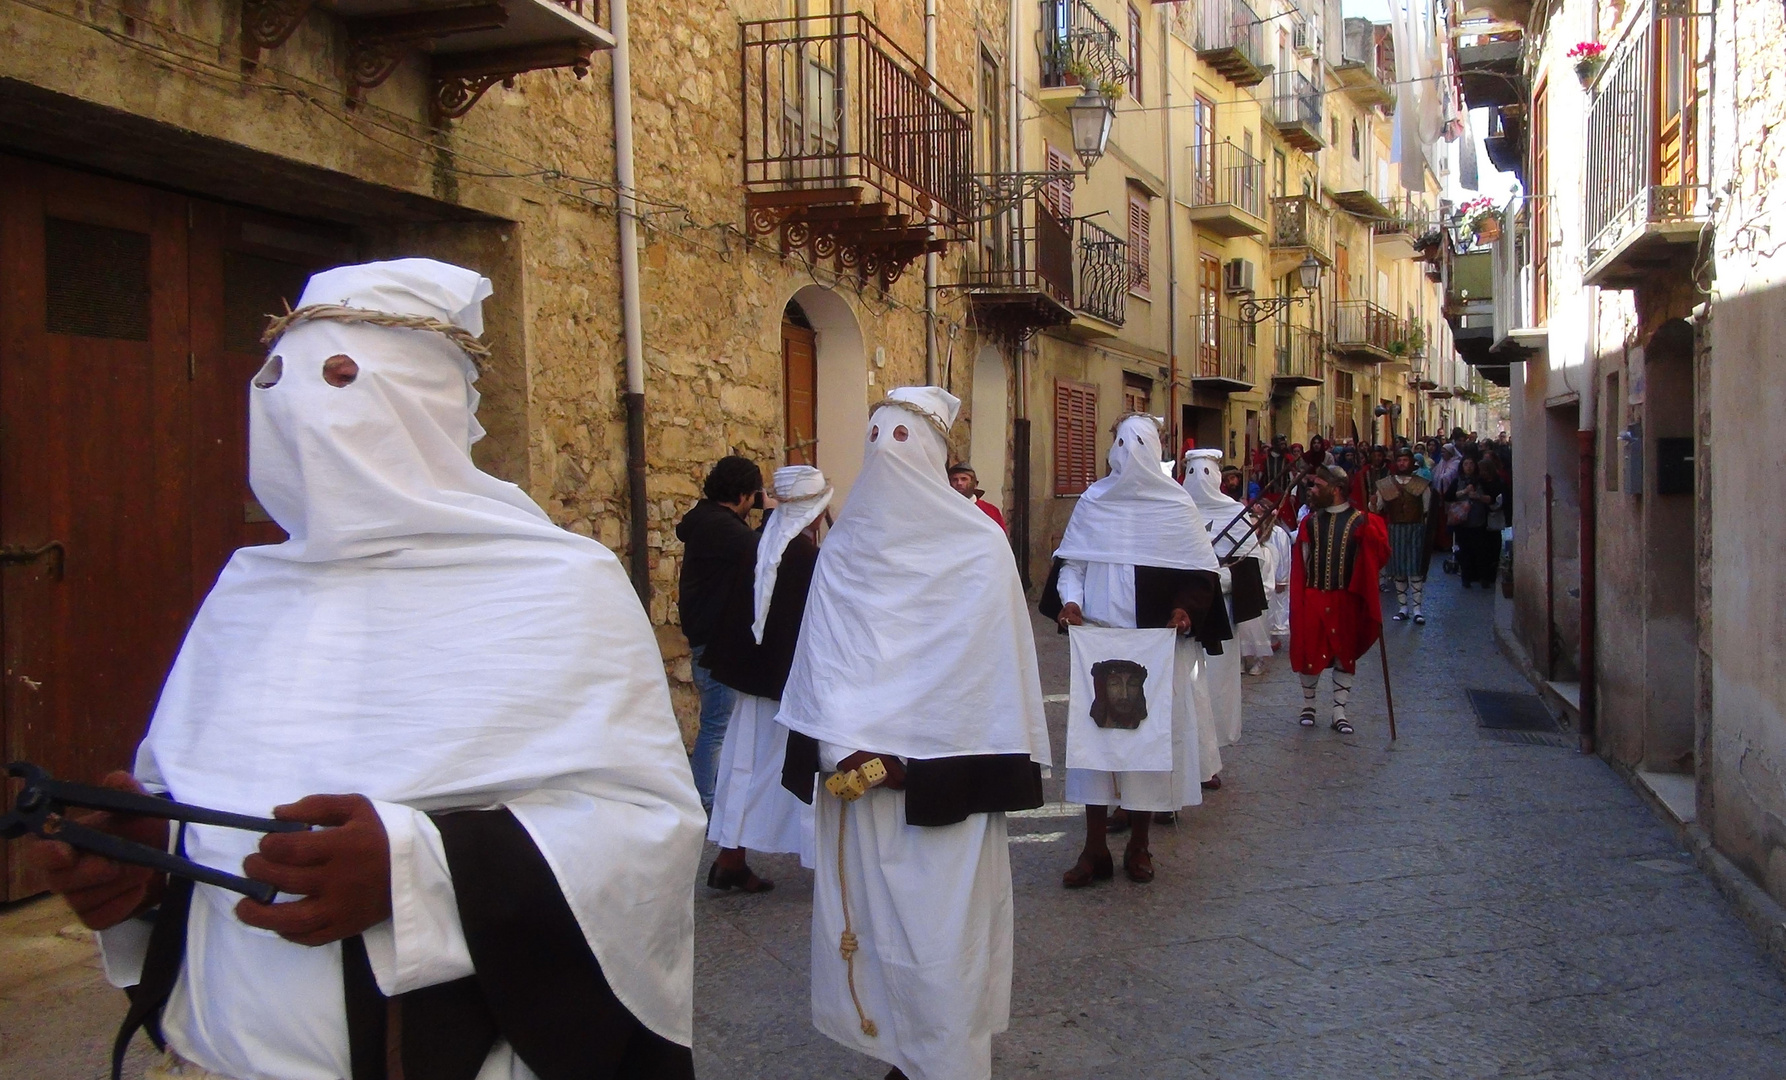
pixel 718 549
pixel 963 479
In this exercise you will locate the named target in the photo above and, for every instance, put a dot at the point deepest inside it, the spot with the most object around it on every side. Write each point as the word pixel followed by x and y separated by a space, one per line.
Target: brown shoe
pixel 742 878
pixel 1214 783
pixel 1086 871
pixel 1138 864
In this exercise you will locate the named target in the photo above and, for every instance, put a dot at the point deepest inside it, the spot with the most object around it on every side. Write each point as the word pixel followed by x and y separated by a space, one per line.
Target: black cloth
pixel 717 545
pixel 733 655
pixel 938 791
pixel 1247 588
pixel 1478 554
pixel 1158 592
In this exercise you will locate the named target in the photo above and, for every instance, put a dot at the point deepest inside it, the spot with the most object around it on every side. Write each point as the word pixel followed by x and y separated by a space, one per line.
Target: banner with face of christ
pixel 1119 705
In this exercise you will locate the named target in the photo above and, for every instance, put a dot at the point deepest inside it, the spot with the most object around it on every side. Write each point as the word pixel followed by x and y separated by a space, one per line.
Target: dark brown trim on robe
pixel 1247 582
pixel 938 791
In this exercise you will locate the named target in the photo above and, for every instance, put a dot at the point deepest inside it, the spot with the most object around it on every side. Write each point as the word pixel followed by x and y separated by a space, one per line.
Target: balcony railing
pixel 1367 66
pixel 1643 176
pixel 1298 221
pixel 1223 179
pixel 1225 350
pixel 1362 330
pixel 1297 355
pixel 1231 39
pixel 1021 277
pixel 1075 39
pixel 1103 274
pixel 849 147
pixel 1294 109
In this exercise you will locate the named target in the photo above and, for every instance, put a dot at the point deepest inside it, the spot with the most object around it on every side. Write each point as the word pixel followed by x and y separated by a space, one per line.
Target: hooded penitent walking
pixel 511 884
pixel 1136 554
pixel 915 691
pixel 751 651
pixel 1246 568
pixel 1334 606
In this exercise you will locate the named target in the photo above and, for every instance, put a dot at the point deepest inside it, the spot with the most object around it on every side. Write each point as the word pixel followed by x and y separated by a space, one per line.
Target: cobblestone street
pixel 1449 907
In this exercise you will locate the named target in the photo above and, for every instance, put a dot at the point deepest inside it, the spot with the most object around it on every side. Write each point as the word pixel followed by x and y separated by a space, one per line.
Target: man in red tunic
pixel 1334 612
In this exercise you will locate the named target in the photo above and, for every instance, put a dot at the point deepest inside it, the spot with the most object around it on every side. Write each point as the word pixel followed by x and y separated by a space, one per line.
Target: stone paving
pixel 1449 906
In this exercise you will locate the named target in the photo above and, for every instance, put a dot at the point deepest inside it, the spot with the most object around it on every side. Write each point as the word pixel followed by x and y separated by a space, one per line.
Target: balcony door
pixel 800 383
pixel 1209 305
pixel 1203 164
pixel 1676 104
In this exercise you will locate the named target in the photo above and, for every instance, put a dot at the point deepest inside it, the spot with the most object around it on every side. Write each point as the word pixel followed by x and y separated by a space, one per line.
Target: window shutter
pixel 1058 195
pixel 1075 436
pixel 1140 220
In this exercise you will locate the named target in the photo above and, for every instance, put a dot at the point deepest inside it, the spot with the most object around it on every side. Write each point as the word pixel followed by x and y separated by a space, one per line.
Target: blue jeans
pixel 716 709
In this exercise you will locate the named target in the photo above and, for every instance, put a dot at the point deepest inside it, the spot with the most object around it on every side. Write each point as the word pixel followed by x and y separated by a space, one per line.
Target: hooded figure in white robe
pixel 1242 565
pixel 751 652
pixel 1134 552
pixel 488 680
pixel 916 650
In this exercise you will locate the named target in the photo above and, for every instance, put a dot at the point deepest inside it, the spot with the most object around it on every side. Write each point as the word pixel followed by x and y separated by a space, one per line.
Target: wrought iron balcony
pixel 1078 44
pixel 1226 193
pixel 1299 227
pixel 1103 275
pixel 850 150
pixel 1489 63
pixel 1231 39
pixel 1367 63
pixel 1226 354
pixel 1406 227
pixel 1646 204
pixel 1020 279
pixel 1297 355
pixel 1506 139
pixel 1361 330
pixel 470 47
pixel 1294 110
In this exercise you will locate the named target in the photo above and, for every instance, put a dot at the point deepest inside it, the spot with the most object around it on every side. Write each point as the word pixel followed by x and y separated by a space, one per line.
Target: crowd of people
pixel 435 729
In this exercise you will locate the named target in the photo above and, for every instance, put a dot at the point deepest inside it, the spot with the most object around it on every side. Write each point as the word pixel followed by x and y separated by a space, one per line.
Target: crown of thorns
pixel 458 335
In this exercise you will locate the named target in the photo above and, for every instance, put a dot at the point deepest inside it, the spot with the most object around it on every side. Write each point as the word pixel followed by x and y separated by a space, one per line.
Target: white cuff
pixel 1070 585
pixel 122 950
pixel 422 943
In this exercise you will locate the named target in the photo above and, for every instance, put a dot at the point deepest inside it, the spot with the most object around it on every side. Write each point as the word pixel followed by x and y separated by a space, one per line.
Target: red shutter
pixel 1075 436
pixel 1140 220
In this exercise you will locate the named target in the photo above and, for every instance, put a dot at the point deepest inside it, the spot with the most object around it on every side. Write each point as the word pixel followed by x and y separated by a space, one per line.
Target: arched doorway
pixel 836 406
pixel 986 447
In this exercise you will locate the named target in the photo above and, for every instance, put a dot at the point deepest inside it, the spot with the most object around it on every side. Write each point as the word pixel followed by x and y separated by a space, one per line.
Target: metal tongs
pixel 43 803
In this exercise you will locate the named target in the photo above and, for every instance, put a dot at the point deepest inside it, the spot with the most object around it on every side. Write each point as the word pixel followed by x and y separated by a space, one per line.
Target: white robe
pixel 931 911
pixel 1105 593
pixel 750 807
pixel 1281 545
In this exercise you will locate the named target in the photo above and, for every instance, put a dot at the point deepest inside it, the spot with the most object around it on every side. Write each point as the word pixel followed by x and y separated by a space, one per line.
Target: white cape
pixel 1136 515
pixel 427 637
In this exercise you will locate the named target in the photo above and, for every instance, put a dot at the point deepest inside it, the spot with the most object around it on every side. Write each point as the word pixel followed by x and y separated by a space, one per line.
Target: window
pixel 1209 307
pixel 1280 174
pixel 1250 175
pixel 1140 253
pixel 1203 152
pixel 1343 391
pixel 992 146
pixel 1058 195
pixel 1540 204
pixel 1075 436
pixel 1333 130
pixel 1357 144
pixel 1137 392
pixel 1135 54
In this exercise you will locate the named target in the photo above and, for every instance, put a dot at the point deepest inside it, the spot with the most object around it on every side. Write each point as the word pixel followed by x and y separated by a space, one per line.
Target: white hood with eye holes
pixel 1137 515
pixel 428 637
pixel 916 640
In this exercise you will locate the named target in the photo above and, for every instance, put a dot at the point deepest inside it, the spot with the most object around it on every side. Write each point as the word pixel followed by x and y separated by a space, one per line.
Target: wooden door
pixel 1676 164
pixel 129 326
pixel 1203 163
pixel 800 382
pixel 1209 303
pixel 1342 270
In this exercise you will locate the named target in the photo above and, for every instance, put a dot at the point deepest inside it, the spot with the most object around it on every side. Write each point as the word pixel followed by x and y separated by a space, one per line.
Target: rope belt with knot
pixel 458 335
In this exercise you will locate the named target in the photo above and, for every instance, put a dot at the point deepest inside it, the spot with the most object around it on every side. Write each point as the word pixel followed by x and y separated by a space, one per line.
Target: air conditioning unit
pixel 1304 39
pixel 1237 276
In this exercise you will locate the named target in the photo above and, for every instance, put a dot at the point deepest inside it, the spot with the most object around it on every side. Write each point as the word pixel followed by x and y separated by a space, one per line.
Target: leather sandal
pixel 1117 822
pixel 742 878
pixel 1214 783
pixel 1138 865
pixel 1086 871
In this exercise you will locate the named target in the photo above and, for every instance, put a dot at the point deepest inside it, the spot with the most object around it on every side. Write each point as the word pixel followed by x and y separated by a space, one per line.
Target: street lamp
pixel 1308 275
pixel 1091 115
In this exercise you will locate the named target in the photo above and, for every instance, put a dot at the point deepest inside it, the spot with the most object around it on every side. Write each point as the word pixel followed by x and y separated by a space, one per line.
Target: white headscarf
pixel 428 638
pixel 917 639
pixel 1203 479
pixel 801 495
pixel 1136 515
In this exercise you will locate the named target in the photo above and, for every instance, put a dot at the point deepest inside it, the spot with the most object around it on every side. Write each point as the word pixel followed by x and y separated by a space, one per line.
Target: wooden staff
pixel 1388 694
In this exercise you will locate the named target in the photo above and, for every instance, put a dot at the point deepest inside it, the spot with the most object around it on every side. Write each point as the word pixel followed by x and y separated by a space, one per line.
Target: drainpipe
pixel 1586 447
pixel 1172 409
pixel 1020 475
pixel 930 261
pixel 639 558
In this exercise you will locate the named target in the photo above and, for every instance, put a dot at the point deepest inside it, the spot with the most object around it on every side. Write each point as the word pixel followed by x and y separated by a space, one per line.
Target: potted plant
pixel 1589 57
pixel 1483 218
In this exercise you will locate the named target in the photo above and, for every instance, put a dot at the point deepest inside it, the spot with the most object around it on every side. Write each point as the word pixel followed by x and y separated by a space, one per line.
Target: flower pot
pixel 1488 230
pixel 1586 68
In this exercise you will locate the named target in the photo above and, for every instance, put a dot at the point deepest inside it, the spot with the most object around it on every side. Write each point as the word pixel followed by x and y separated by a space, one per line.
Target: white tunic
pixel 750 807
pixel 1105 593
pixel 931 911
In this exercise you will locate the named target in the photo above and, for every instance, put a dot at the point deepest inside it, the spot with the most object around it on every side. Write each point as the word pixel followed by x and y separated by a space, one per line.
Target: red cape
pixel 1337 627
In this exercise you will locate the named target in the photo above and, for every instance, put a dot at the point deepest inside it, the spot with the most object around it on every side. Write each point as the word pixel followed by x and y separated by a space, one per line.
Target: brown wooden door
pixel 125 350
pixel 1676 164
pixel 1209 307
pixel 800 382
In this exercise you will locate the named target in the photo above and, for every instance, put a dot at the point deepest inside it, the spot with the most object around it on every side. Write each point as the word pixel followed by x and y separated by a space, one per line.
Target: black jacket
pixel 733 654
pixel 717 548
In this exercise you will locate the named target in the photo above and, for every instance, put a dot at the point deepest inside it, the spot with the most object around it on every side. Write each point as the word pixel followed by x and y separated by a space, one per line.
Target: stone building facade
pixel 1640 303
